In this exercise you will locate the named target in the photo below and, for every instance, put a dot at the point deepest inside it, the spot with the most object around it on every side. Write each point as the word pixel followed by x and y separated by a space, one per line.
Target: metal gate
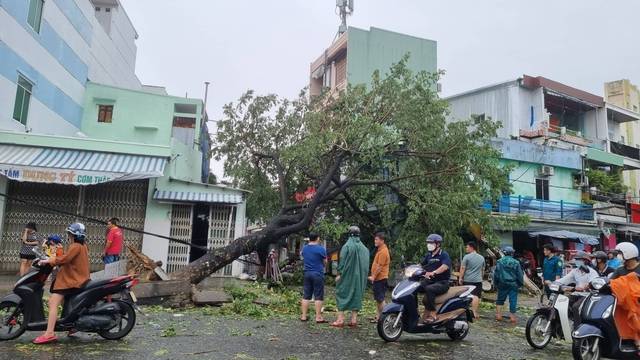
pixel 125 200
pixel 181 224
pixel 222 221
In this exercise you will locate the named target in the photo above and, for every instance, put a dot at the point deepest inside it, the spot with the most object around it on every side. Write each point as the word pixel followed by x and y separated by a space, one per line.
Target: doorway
pixel 200 232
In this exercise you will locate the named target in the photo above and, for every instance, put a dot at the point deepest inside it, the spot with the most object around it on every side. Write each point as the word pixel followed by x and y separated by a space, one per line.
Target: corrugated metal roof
pixel 196 196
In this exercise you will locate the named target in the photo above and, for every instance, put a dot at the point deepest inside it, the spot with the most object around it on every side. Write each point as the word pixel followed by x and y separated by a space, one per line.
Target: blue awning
pixel 75 167
pixel 567 235
pixel 198 196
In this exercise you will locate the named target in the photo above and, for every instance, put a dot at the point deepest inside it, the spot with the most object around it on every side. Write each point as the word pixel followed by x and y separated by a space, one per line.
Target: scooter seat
pixel 453 291
pixel 95 283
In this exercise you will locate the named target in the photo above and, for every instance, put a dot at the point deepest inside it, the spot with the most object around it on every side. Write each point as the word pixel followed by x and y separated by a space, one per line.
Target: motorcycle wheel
pixel 582 349
pixel 533 331
pixel 457 335
pixel 12 323
pixel 126 321
pixel 386 330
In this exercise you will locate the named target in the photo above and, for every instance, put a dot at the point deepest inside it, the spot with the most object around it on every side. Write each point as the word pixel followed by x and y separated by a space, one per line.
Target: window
pixel 185 108
pixel 184 129
pixel 23 96
pixel 97 8
pixel 542 189
pixel 34 18
pixel 105 113
pixel 107 9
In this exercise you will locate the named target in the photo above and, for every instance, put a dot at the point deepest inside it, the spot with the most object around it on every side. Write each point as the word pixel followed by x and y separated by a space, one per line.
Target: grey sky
pixel 268 45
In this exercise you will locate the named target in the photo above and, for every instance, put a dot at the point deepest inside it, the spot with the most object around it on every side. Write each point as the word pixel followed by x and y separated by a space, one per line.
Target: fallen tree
pixel 385 153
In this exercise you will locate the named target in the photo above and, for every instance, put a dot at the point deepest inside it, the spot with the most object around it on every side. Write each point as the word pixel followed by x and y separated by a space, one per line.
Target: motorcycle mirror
pixel 39 253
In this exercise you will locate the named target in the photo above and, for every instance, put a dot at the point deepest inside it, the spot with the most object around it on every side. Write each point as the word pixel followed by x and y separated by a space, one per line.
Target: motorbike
pixel 597 335
pixel 551 320
pixel 94 309
pixel 453 313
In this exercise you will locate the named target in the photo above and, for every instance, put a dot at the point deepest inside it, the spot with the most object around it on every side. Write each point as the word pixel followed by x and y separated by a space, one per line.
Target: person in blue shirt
pixel 551 267
pixel 315 260
pixel 437 265
pixel 614 261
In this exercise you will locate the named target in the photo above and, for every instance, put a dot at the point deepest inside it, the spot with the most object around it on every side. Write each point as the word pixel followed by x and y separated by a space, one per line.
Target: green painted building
pixel 140 156
pixel 357 53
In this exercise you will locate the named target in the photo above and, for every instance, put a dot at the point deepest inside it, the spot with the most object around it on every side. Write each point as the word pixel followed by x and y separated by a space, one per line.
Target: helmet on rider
pixel 78 230
pixel 354 230
pixel 508 250
pixel 581 255
pixel 54 239
pixel 628 250
pixel 433 242
pixel 601 255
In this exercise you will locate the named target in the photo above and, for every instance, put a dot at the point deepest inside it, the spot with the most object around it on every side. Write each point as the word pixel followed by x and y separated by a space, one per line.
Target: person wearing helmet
pixel 581 276
pixel 508 278
pixel 602 268
pixel 72 276
pixel 615 259
pixel 629 254
pixel 437 266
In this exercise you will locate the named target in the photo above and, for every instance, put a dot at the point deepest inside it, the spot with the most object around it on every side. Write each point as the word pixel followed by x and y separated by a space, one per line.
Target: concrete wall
pixel 70 48
pixel 158 221
pixel 560 184
pixel 137 116
pixel 4 185
pixel 378 49
pixel 540 154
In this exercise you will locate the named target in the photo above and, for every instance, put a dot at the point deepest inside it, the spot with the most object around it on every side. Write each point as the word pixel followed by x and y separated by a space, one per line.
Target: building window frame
pixel 34 15
pixel 105 113
pixel 22 102
pixel 542 188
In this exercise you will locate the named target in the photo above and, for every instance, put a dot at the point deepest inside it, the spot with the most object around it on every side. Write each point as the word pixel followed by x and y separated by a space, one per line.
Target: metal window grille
pixel 181 225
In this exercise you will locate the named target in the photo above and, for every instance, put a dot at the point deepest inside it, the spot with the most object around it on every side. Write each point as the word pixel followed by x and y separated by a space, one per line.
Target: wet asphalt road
pixel 195 334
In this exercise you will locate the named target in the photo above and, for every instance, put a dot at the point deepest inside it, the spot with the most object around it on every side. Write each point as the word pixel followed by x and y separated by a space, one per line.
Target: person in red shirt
pixel 113 244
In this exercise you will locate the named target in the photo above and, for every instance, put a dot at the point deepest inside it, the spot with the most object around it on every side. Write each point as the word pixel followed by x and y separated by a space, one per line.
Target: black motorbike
pixel 94 309
pixel 453 313
pixel 597 335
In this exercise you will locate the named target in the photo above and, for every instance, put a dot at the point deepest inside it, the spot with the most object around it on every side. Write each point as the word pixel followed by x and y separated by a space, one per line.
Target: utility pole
pixel 346 8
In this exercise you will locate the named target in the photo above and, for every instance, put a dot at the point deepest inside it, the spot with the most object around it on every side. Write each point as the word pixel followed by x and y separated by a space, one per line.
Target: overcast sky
pixel 268 45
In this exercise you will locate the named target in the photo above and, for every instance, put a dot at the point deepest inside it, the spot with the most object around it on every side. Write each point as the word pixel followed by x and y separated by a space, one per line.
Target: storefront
pixel 95 184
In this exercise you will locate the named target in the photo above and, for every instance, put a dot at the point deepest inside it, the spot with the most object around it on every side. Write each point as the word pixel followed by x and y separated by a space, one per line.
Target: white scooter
pixel 552 319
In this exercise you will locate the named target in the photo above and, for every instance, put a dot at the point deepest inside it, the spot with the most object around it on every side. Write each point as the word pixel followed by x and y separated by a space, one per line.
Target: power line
pixel 98 221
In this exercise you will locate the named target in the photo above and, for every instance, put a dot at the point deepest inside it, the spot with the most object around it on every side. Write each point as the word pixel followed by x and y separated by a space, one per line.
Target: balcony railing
pixel 541 209
pixel 625 150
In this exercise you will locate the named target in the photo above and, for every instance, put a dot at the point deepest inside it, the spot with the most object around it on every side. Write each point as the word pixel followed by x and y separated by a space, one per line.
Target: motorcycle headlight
pixel 554 287
pixel 607 312
pixel 598 283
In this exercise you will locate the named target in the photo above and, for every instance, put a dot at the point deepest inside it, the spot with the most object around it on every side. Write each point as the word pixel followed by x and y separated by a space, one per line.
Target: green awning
pixel 605 157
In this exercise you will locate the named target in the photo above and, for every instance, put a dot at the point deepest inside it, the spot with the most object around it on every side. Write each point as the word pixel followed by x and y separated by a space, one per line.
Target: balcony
pixel 542 209
pixel 625 150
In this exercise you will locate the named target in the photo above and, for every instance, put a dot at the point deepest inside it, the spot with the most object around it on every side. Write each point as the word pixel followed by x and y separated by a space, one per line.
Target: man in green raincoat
pixel 351 281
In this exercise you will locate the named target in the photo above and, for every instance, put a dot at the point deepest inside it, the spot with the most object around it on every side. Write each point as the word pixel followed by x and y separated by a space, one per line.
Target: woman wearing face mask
pixel 615 259
pixel 629 253
pixel 600 258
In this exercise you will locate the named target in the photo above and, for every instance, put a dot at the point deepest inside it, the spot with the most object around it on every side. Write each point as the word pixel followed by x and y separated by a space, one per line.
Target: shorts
pixel 108 259
pixel 477 291
pixel 313 285
pixel 379 290
pixel 27 257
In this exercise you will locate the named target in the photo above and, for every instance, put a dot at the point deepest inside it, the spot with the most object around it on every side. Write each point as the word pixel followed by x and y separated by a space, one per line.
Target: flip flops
pixel 40 340
pixel 337 324
pixel 323 321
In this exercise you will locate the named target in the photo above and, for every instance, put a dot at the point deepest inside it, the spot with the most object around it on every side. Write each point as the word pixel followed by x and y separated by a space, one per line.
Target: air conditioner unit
pixel 546 170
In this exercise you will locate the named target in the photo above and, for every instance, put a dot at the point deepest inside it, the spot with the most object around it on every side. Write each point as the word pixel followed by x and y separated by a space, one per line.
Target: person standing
pixel 351 281
pixel 437 265
pixel 552 267
pixel 113 243
pixel 380 273
pixel 29 240
pixel 471 272
pixel 315 259
pixel 508 279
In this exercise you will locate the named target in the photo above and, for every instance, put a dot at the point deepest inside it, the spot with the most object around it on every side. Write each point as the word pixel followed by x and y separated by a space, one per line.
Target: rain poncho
pixel 353 268
pixel 627 315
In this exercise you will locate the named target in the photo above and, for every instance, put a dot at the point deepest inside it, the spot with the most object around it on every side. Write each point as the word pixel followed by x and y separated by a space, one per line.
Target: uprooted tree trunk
pixel 291 220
